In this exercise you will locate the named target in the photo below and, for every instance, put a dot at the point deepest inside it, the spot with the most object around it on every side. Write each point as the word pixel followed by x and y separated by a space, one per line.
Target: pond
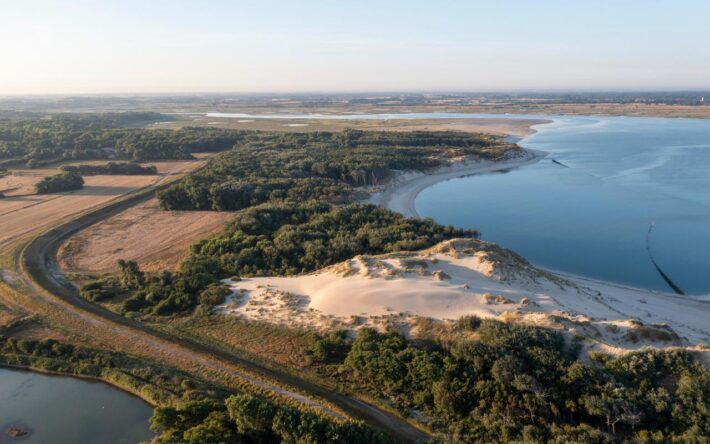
pixel 64 410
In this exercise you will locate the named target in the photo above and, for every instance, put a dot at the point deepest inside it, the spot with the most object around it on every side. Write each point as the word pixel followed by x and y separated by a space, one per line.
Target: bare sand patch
pixel 497 126
pixel 156 239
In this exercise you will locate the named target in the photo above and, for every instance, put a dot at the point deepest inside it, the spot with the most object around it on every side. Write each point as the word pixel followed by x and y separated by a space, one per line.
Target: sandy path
pixel 400 195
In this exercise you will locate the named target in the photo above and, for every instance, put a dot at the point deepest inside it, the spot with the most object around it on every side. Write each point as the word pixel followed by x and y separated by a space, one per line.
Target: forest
pixel 275 167
pixel 57 137
pixel 518 383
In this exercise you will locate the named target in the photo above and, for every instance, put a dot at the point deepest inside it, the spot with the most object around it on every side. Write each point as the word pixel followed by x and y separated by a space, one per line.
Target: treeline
pixel 58 137
pixel 112 168
pixel 288 239
pixel 189 410
pixel 67 181
pixel 254 419
pixel 517 383
pixel 157 384
pixel 271 167
pixel 268 240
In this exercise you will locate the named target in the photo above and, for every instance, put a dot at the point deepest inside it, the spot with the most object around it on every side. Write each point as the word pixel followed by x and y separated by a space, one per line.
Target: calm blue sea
pixel 592 216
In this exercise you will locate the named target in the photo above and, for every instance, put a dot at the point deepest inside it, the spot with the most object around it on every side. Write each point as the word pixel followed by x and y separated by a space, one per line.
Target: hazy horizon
pixel 311 47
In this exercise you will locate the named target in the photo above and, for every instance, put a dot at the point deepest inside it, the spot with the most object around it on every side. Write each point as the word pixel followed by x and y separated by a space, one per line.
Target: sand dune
pixel 470 277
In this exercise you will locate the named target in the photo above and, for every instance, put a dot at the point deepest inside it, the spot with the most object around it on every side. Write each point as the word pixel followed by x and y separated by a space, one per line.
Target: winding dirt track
pixel 39 271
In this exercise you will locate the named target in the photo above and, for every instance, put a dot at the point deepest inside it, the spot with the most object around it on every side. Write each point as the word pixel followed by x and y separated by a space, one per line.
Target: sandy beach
pixel 401 193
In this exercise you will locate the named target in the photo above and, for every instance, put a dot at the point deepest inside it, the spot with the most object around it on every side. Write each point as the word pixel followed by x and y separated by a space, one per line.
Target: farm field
pixel 22 211
pixel 154 238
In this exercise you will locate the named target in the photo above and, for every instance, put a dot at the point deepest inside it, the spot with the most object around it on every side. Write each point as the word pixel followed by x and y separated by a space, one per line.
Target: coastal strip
pixel 401 193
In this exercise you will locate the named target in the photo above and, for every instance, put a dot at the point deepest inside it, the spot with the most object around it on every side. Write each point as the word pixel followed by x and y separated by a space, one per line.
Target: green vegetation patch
pixel 46 139
pixel 112 168
pixel 270 167
pixel 518 383
pixel 67 181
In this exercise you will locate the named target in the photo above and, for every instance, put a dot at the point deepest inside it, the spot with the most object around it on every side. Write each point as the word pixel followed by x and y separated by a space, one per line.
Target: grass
pixel 269 342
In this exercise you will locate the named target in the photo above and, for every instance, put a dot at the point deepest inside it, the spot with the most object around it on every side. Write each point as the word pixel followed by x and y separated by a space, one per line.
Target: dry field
pixel 156 239
pixel 22 211
pixel 22 181
pixel 23 214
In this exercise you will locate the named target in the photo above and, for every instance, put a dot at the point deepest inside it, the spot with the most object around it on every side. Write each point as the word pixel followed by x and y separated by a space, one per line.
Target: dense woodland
pixel 271 167
pixel 516 383
pixel 67 181
pixel 52 138
pixel 112 168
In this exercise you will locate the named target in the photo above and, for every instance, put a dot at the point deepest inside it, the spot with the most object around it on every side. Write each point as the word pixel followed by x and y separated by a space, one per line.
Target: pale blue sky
pixel 97 46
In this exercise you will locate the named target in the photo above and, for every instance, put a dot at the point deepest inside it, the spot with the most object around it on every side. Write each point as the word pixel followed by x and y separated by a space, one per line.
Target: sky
pixel 165 46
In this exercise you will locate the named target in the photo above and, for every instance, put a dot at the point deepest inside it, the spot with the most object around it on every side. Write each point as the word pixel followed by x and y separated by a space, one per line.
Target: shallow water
pixel 64 410
pixel 592 216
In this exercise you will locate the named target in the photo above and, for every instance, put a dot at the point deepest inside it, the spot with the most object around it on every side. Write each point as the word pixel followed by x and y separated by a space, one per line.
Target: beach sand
pixel 401 193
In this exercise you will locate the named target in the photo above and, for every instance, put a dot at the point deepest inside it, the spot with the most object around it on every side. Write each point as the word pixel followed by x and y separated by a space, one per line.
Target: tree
pixel 611 404
pixel 129 275
pixel 251 412
pixel 215 294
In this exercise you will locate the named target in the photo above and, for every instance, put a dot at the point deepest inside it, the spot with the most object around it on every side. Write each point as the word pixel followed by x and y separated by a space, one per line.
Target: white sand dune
pixel 470 277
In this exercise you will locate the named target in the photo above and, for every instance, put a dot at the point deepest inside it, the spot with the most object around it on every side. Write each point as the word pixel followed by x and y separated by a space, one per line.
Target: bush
pixel 96 292
pixel 331 348
pixel 468 323
pixel 215 294
pixel 66 181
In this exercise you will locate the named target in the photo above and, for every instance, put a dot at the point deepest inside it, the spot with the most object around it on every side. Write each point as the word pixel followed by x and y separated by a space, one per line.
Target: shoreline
pixel 400 194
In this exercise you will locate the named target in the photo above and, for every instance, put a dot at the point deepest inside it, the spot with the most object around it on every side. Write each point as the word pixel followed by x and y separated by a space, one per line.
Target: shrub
pixel 66 181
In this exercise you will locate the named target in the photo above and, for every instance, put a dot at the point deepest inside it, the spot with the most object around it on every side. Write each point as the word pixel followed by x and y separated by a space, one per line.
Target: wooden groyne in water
pixel 559 163
pixel 665 277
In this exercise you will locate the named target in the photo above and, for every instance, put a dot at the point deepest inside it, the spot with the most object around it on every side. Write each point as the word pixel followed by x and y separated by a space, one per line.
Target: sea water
pixel 623 191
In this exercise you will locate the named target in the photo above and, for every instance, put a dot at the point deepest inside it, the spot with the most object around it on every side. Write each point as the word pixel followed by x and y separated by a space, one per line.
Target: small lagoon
pixel 65 410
